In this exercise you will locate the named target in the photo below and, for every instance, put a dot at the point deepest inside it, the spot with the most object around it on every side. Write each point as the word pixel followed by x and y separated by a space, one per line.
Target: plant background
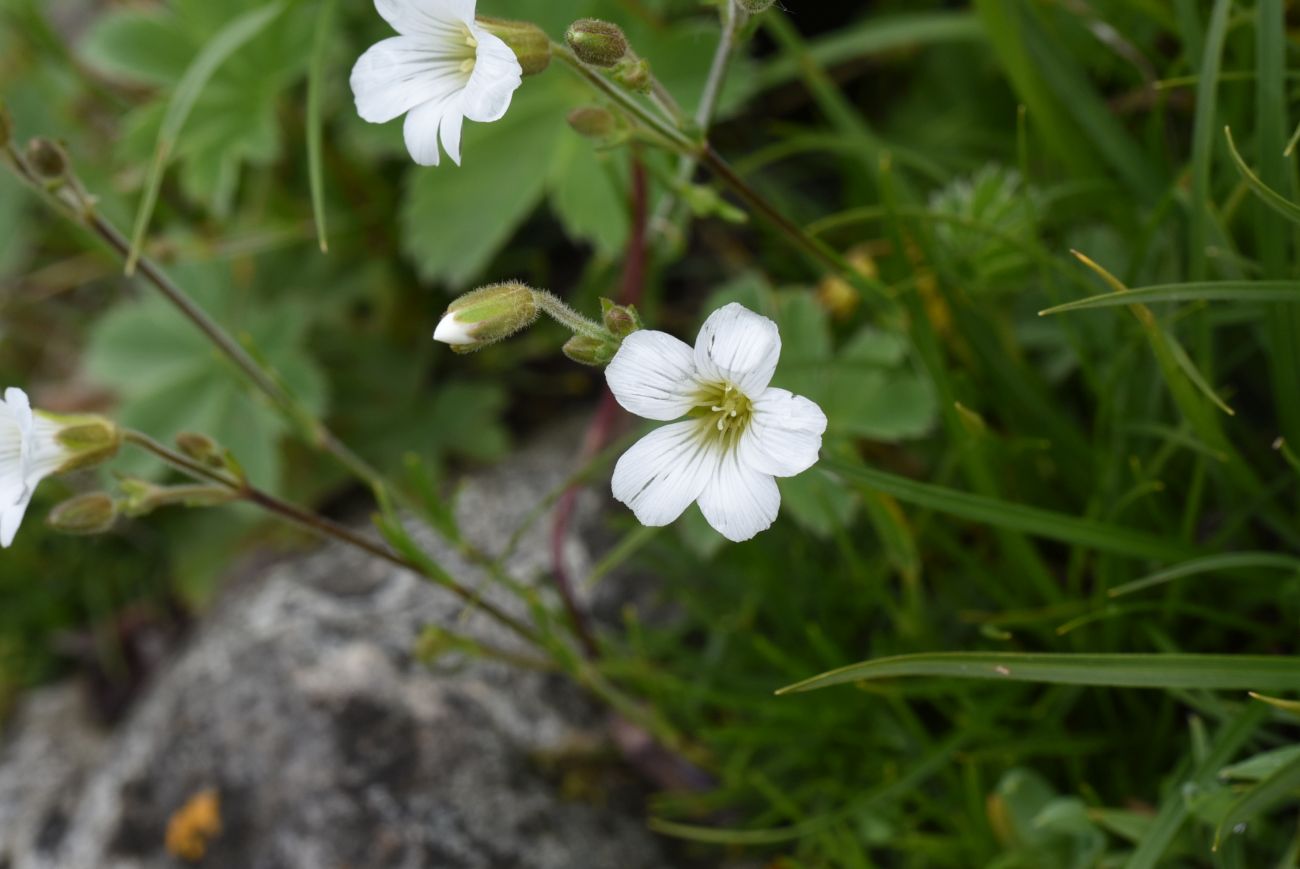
pixel 957 152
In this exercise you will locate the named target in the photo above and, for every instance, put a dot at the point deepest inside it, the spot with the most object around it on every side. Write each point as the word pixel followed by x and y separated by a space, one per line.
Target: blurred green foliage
pixel 956 152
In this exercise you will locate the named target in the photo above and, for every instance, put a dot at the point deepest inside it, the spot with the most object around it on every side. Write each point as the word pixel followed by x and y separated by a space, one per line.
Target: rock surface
pixel 298 703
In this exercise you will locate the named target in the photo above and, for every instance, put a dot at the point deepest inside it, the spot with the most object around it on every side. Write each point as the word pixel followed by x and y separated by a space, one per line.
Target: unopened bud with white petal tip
pixel 529 42
pixel 95 513
pixel 597 42
pixel 487 315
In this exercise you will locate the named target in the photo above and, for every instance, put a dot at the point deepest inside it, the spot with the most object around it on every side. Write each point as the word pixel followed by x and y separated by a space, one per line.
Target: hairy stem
pixel 567 317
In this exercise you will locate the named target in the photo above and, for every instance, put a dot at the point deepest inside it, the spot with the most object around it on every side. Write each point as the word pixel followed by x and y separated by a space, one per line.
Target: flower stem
pixel 75 203
pixel 318 525
pixel 567 317
pixel 732 20
pixel 675 137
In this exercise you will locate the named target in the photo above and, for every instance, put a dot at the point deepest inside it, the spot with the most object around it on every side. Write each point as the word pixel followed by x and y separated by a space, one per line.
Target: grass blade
pixel 1015 517
pixel 1266 194
pixel 315 125
pixel 1209 564
pixel 228 40
pixel 1203 291
pixel 1174 810
pixel 1210 672
pixel 1259 799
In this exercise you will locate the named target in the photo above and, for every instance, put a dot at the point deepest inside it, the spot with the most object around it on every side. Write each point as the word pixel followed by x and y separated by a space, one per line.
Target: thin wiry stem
pixel 316 524
pixel 733 18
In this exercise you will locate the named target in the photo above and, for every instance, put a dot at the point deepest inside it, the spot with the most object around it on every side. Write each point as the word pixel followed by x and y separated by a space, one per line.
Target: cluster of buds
pixel 603 45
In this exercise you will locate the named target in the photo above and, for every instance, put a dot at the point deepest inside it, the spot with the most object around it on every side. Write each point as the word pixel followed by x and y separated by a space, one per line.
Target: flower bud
pixel 594 122
pixel 94 513
pixel 754 7
pixel 620 320
pixel 634 74
pixel 596 42
pixel 586 350
pixel 48 159
pixel 486 316
pixel 201 448
pixel 528 41
pixel 86 440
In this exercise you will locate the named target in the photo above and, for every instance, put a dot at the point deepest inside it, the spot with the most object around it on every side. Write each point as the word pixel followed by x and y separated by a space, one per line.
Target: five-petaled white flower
pixel 30 451
pixel 442 68
pixel 741 433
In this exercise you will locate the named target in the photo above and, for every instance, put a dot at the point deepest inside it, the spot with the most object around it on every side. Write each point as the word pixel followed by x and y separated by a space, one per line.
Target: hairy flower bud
pixel 528 41
pixel 486 316
pixel 48 158
pixel 754 7
pixel 594 122
pixel 596 42
pixel 586 350
pixel 634 74
pixel 201 448
pixel 620 320
pixel 94 513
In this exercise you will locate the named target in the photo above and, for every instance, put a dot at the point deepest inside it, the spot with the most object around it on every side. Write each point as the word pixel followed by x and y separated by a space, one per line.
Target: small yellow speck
pixel 194 825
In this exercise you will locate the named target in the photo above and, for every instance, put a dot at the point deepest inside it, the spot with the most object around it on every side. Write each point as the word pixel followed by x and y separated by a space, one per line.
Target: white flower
pixel 441 69
pixel 741 433
pixel 29 452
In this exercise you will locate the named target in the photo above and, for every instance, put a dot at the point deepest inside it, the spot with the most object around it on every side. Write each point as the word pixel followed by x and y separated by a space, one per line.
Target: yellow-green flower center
pixel 725 412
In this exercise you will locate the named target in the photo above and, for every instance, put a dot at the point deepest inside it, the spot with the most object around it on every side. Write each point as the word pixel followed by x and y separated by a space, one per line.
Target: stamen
pixel 467 65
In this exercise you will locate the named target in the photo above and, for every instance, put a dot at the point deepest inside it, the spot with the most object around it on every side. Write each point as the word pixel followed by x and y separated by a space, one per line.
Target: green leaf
pixel 1235 561
pixel 455 219
pixel 1282 783
pixel 230 39
pixel 315 125
pixel 1166 671
pixel 169 379
pixel 1015 517
pixel 148 47
pixel 1199 291
pixel 1261 766
pixel 818 502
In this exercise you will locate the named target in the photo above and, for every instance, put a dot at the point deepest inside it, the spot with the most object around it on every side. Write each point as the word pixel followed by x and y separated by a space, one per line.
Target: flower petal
pixel 653 375
pixel 740 501
pixel 400 73
pixel 497 74
pixel 784 434
pixel 11 514
pixel 664 472
pixel 738 346
pixel 450 134
pixel 421 129
pixel 425 16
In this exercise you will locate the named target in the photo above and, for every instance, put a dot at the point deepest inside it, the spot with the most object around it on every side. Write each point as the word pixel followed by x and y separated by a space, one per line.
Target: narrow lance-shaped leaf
pixel 1210 672
pixel 230 39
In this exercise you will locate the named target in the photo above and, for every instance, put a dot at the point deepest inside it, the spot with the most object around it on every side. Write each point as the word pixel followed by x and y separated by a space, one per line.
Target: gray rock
pixel 300 703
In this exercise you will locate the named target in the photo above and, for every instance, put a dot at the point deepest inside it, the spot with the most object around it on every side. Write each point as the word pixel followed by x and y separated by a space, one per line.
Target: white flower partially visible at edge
pixel 29 452
pixel 741 434
pixel 441 68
